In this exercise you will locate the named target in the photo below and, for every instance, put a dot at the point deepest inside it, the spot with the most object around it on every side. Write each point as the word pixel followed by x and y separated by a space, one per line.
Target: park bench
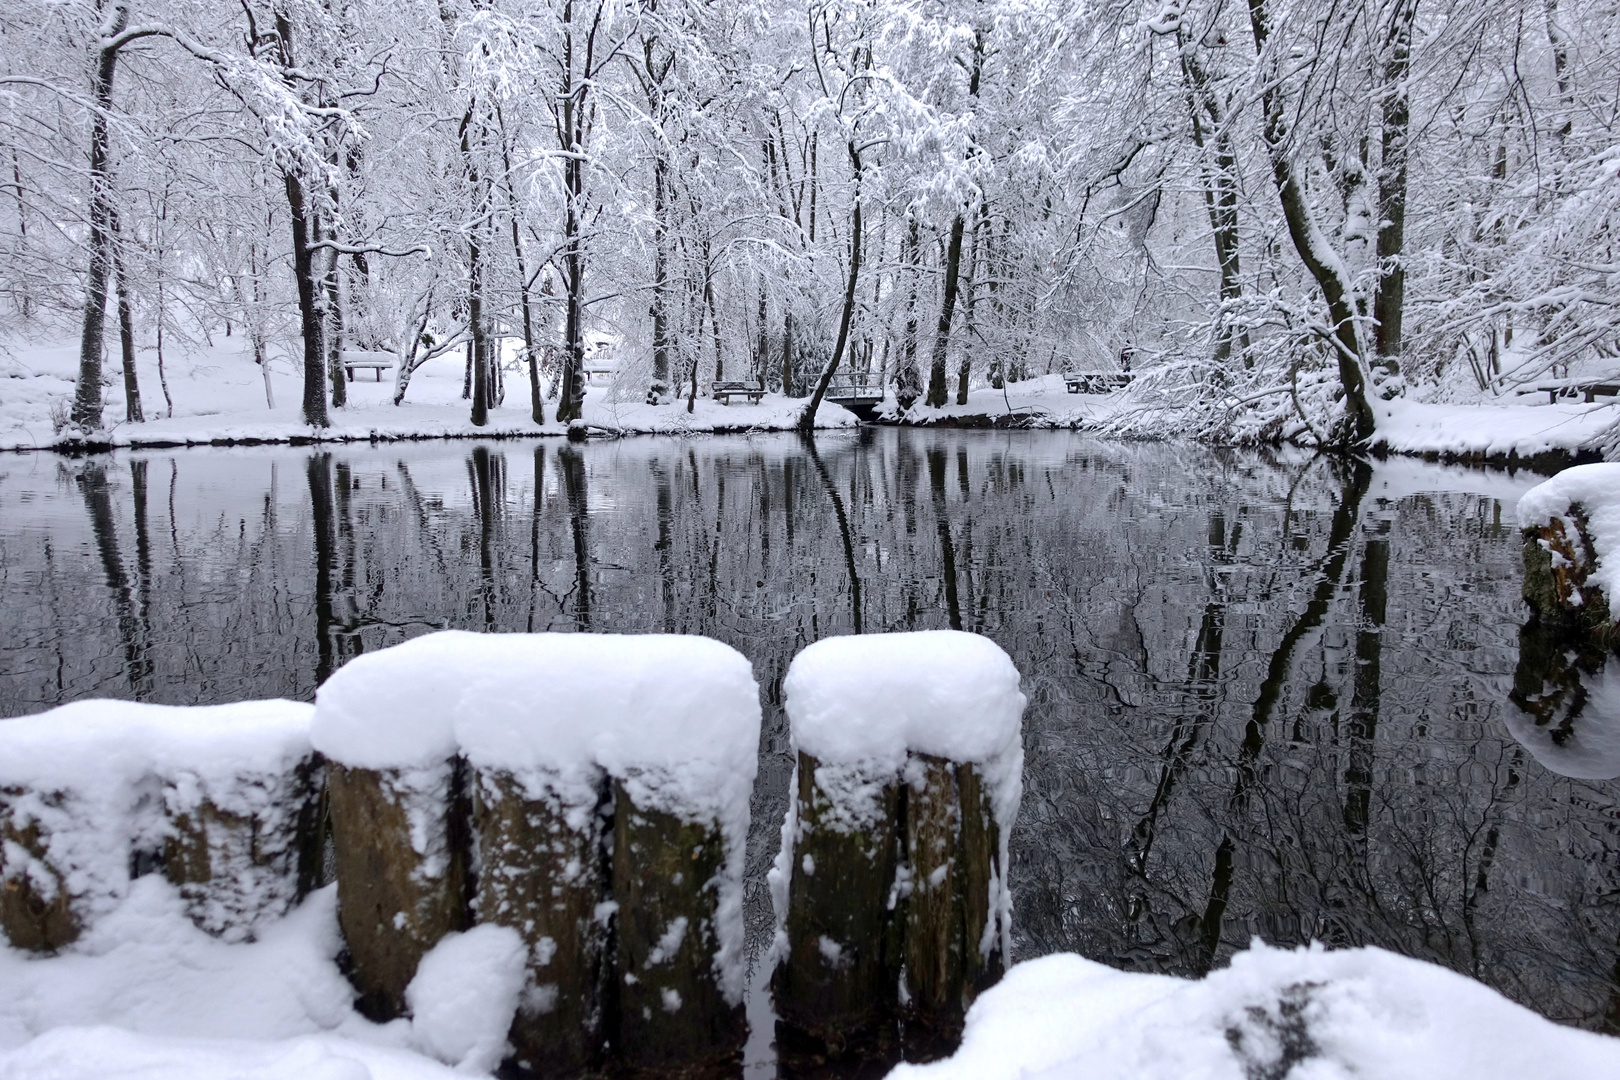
pixel 1589 389
pixel 1095 382
pixel 723 392
pixel 379 366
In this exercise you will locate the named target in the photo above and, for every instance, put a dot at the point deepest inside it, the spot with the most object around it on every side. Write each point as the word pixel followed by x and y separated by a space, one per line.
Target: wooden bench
pixel 723 392
pixel 1587 388
pixel 1095 382
pixel 379 366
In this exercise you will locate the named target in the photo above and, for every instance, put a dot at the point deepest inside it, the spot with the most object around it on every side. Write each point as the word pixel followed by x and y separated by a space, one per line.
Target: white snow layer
pixel 865 701
pixel 465 994
pixel 1361 1013
pixel 146 994
pixel 1597 489
pixel 674 718
pixel 101 778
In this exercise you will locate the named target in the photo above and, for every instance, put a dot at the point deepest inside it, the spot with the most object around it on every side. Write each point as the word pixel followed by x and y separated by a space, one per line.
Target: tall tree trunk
pixel 126 330
pixel 310 317
pixel 1324 264
pixel 937 392
pixel 571 404
pixel 1389 301
pixel 966 371
pixel 86 413
pixel 537 404
pixel 481 389
pixel 1220 194
pixel 908 380
pixel 660 300
pixel 306 273
pixel 947 309
pixel 807 419
pixel 334 335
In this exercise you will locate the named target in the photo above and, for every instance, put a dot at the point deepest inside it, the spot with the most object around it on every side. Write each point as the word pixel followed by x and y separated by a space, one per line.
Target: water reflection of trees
pixel 1262 701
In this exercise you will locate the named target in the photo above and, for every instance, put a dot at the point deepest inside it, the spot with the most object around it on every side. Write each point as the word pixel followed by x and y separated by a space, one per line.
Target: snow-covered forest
pixel 1276 212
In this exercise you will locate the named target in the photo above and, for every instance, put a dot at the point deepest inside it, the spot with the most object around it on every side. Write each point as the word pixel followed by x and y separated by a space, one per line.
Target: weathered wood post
pixel 396 797
pixel 1567 702
pixel 608 781
pixel 613 774
pixel 891 878
pixel 220 799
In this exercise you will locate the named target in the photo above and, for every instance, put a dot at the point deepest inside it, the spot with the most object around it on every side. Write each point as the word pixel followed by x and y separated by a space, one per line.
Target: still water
pixel 1267 693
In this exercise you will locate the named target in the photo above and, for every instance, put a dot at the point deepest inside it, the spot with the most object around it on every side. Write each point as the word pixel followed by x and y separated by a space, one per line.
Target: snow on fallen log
pixel 574 746
pixel 1272 1013
pixel 221 798
pixel 891 877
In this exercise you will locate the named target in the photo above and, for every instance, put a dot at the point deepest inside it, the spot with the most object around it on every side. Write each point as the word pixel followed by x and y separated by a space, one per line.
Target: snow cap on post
pixel 873 698
pixel 674 716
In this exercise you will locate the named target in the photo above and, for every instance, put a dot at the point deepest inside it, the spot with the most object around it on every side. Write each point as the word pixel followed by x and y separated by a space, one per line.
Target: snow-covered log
pixel 609 778
pixel 891 878
pixel 221 799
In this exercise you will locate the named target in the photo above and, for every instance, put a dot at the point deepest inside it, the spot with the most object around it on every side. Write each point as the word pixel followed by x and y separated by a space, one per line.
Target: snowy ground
pixel 146 994
pixel 219 396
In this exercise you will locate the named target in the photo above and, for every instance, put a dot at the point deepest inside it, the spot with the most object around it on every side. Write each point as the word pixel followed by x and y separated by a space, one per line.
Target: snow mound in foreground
pixel 1307 1013
pixel 465 994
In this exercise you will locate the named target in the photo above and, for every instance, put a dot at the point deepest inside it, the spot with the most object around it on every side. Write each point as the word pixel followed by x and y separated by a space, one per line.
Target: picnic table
pixel 379 366
pixel 1095 382
pixel 723 391
pixel 1587 388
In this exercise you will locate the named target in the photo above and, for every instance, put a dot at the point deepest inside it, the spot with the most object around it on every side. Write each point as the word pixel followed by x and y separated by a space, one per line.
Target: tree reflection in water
pixel 1268 695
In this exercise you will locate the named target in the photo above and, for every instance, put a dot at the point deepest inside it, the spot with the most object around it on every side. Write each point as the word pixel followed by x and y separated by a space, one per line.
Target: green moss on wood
pixel 546 878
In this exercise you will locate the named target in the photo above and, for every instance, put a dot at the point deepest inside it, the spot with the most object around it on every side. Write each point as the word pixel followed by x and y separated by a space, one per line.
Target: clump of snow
pixel 465 994
pixel 145 967
pixel 1597 489
pixel 860 704
pixel 145 993
pixel 1272 1013
pixel 103 779
pixel 674 718
pixel 111 1054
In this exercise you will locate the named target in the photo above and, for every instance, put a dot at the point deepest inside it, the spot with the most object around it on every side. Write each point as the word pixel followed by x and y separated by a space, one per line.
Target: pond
pixel 1267 693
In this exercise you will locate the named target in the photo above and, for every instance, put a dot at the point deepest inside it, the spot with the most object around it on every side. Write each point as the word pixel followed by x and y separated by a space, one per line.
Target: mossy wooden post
pixel 36 909
pixel 396 899
pixel 673 1017
pixel 542 873
pixel 247 853
pixel 897 916
pixel 952 952
pixel 835 993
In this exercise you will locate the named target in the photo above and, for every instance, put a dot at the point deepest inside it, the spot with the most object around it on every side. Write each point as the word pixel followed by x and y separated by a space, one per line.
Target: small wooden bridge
pixel 860 394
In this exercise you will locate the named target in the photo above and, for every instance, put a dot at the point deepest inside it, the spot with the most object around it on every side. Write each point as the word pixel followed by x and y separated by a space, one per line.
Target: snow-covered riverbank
pixel 148 994
pixel 218 398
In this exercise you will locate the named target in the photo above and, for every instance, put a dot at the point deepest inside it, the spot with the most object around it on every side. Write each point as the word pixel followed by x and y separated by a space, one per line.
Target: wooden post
pixel 673 1017
pixel 896 914
pixel 248 852
pixel 835 992
pixel 952 846
pixel 544 873
pixel 401 863
pixel 37 910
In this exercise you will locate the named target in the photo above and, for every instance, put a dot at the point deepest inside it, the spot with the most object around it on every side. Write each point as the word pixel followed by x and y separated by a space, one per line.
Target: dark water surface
pixel 1267 694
